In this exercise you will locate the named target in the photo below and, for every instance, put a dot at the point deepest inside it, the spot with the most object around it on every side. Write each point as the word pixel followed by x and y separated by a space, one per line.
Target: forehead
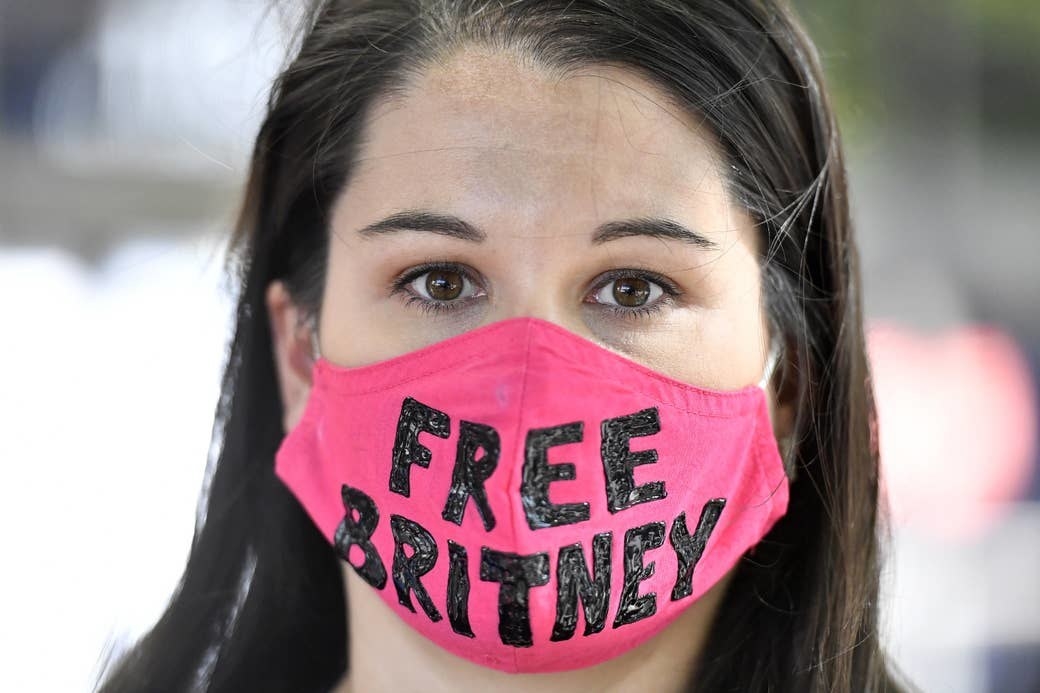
pixel 488 126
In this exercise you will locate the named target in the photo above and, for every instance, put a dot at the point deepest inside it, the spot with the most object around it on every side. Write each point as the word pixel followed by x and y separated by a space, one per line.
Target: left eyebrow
pixel 450 225
pixel 652 228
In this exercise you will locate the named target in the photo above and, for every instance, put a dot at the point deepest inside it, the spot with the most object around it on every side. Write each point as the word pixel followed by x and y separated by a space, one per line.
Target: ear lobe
pixel 292 348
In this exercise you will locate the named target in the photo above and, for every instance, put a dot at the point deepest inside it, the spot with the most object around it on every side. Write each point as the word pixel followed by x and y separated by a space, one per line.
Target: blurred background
pixel 125 127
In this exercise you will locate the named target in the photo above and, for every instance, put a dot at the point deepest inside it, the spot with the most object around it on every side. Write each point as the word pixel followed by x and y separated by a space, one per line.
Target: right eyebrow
pixel 420 220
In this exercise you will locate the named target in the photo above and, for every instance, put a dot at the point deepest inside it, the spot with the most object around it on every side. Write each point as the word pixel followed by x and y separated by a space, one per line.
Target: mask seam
pixel 513 458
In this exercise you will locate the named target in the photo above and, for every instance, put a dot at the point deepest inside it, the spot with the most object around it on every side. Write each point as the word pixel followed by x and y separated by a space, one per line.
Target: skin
pixel 537 163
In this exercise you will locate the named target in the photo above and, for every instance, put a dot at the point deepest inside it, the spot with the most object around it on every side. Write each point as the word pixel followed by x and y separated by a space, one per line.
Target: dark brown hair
pixel 261 603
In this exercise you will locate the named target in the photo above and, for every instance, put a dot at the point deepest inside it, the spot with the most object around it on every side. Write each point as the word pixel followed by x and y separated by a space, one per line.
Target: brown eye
pixel 631 292
pixel 444 285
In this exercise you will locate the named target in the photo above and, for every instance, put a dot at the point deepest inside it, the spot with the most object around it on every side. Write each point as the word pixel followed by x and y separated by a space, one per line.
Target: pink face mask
pixel 529 500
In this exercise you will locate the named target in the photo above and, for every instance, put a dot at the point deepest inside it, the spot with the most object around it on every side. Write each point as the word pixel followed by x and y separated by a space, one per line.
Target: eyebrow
pixel 450 225
pixel 653 228
pixel 422 220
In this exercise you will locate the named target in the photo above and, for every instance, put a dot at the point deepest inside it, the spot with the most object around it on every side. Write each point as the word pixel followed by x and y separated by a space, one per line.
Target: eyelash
pixel 400 286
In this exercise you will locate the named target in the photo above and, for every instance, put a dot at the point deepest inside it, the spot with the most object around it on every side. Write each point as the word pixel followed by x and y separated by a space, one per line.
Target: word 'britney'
pixel 517 574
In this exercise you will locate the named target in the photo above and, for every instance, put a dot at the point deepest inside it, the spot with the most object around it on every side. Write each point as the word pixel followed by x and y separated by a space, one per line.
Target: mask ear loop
pixel 771 361
pixel 785 444
pixel 315 348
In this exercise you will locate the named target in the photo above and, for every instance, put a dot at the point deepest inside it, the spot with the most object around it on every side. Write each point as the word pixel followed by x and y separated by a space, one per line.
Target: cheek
pixel 712 349
pixel 721 347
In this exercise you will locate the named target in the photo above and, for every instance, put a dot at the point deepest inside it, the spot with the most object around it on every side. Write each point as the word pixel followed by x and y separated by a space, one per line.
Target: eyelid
pixel 402 284
pixel 413 273
pixel 669 287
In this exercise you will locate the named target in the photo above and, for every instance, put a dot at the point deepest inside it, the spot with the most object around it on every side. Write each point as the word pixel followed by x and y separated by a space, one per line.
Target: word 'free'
pixel 471 472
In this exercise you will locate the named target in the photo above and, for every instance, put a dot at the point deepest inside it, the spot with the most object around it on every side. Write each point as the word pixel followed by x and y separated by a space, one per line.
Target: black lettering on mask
pixel 572 579
pixel 415 418
pixel 516 574
pixel 470 473
pixel 406 571
pixel 359 532
pixel 458 589
pixel 634 606
pixel 538 474
pixel 688 549
pixel 618 460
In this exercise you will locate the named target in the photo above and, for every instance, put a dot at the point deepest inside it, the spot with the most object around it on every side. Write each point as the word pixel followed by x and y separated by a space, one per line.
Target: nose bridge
pixel 544 304
pixel 534 280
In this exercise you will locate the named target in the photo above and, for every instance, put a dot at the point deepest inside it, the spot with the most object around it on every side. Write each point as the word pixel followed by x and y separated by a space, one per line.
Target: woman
pixel 456 205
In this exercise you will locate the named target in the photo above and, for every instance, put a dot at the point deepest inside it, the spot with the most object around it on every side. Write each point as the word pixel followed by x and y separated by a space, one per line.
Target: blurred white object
pixel 110 377
pixel 131 93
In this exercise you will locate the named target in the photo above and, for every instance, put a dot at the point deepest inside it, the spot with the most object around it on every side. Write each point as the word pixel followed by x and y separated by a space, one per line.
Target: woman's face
pixel 588 202
pixel 490 191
